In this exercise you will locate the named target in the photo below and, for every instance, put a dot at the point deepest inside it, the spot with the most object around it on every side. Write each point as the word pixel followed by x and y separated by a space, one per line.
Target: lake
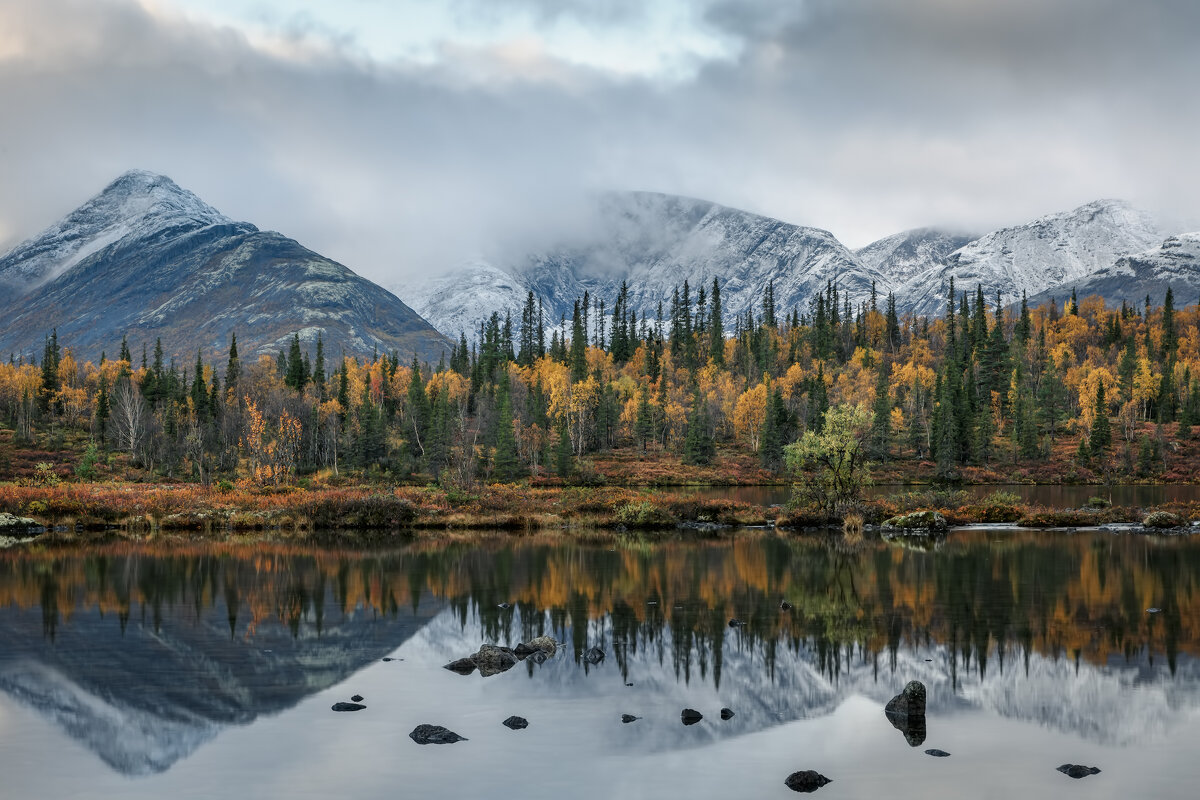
pixel 200 671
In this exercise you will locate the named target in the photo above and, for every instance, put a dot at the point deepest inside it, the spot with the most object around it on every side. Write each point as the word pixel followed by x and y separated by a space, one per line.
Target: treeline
pixel 982 385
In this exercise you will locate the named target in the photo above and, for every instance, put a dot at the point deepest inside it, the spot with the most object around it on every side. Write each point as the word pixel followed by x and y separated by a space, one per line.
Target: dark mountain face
pixel 147 259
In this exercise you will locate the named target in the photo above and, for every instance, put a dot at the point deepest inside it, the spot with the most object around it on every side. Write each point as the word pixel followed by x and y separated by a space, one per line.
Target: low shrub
pixel 1163 519
pixel 643 514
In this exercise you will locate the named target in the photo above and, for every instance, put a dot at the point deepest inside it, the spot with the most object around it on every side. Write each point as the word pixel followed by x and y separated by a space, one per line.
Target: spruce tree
pixel 1101 438
pixel 578 357
pixel 716 328
pixel 233 368
pixel 881 413
pixel 698 446
pixel 564 456
pixel 507 465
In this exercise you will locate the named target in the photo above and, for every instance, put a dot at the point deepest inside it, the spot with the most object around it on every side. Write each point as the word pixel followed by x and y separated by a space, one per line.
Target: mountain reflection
pixel 166 645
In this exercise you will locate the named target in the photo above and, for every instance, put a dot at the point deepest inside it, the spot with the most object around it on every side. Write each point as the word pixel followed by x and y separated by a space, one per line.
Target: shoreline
pixel 90 511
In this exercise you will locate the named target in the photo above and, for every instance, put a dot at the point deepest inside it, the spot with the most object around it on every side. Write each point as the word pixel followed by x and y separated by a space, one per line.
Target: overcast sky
pixel 399 136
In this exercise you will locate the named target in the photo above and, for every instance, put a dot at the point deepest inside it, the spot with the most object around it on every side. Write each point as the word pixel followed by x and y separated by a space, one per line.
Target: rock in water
pixel 1078 771
pixel 594 655
pixel 627 718
pixel 910 702
pixel 937 753
pixel 516 723
pixel 434 734
pixel 906 712
pixel 736 623
pixel 358 698
pixel 463 666
pixel 784 605
pixel 348 706
pixel 690 716
pixel 546 644
pixel 726 713
pixel 492 660
pixel 806 781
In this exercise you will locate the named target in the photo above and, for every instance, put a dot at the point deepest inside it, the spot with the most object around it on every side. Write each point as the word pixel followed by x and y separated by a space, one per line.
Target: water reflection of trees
pixel 990 599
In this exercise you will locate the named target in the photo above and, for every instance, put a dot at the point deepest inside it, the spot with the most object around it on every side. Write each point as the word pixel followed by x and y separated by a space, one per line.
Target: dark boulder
pixel 906 712
pixel 627 718
pixel 434 734
pixel 492 660
pixel 358 698
pixel 910 702
pixel 937 753
pixel 516 723
pixel 726 713
pixel 538 657
pixel 806 781
pixel 463 666
pixel 736 623
pixel 348 706
pixel 690 716
pixel 784 605
pixel 594 655
pixel 1078 771
pixel 522 650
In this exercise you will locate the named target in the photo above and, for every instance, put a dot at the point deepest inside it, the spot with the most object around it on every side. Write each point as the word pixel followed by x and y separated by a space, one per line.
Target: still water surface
pixel 141 672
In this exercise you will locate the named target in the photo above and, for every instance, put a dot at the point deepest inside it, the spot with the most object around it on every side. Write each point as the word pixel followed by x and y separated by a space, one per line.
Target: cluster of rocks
pixel 14 529
pixel 492 659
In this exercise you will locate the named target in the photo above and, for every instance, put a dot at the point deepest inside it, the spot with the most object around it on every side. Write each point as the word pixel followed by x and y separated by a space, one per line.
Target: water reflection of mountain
pixel 771 683
pixel 144 654
pixel 182 657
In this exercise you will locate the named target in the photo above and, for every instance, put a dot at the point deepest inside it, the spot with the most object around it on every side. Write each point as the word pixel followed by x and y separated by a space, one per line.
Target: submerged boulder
pixel 594 655
pixel 1078 771
pixel 463 666
pixel 516 723
pixel 690 716
pixel 434 734
pixel 937 753
pixel 627 718
pixel 348 706
pixel 806 781
pixel 727 713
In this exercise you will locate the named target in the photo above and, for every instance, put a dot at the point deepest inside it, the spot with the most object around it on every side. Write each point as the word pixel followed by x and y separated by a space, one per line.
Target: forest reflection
pixel 984 596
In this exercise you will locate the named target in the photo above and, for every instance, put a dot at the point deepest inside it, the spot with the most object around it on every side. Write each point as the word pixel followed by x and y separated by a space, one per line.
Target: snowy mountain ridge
pixel 655 242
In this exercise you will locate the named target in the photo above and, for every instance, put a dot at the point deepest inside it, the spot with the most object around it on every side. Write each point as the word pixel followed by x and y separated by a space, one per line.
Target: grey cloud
pixel 859 116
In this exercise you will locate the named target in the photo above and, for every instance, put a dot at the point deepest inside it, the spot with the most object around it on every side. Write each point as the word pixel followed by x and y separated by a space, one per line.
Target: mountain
pixel 901 256
pixel 1054 250
pixel 147 259
pixel 654 242
pixel 1174 263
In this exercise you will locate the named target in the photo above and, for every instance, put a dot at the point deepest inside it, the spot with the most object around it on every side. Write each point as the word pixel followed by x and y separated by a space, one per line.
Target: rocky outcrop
pixel 806 781
pixel 906 712
pixel 434 734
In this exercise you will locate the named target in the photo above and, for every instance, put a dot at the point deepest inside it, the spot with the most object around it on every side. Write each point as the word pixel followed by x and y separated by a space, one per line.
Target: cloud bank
pixel 860 116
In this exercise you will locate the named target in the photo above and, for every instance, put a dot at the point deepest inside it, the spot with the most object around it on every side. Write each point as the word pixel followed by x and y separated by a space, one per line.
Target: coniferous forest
pixel 986 393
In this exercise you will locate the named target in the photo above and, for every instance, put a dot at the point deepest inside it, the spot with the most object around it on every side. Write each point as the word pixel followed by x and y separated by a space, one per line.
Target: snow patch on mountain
pixel 137 203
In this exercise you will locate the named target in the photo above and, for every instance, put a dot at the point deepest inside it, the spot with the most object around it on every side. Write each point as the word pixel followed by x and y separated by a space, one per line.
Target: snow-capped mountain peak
pixel 137 202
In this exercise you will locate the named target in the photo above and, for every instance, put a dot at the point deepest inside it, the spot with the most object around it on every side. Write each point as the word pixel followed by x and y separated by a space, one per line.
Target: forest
pixel 987 392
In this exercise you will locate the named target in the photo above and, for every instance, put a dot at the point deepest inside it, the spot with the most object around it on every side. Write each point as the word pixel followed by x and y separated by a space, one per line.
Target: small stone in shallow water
pixel 389 659
pixel 1078 771
pixel 463 666
pixel 358 698
pixel 505 606
pixel 806 781
pixel 434 734
pixel 516 723
pixel 784 605
pixel 726 713
pixel 735 623
pixel 690 716
pixel 594 655
pixel 627 718
pixel 1153 610
pixel 348 706
pixel 937 753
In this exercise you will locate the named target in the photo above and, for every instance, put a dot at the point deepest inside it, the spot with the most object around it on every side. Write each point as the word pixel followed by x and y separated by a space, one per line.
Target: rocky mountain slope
pixel 655 242
pixel 148 259
pixel 1174 263
pixel 1054 250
